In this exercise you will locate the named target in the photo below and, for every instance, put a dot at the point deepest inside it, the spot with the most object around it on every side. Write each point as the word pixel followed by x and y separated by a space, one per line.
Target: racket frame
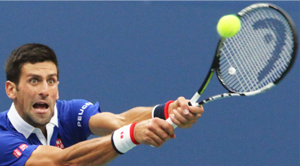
pixel 215 64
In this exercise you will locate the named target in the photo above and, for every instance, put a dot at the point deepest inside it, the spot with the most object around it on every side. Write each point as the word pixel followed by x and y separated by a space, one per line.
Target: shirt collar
pixel 21 125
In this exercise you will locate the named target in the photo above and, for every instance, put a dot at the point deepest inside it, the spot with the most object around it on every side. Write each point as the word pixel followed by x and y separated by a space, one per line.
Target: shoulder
pixel 75 105
pixel 72 103
pixel 3 116
pixel 9 138
pixel 9 141
pixel 4 121
pixel 76 111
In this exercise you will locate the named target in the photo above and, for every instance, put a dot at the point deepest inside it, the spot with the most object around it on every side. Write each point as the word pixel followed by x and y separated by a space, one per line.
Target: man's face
pixel 37 92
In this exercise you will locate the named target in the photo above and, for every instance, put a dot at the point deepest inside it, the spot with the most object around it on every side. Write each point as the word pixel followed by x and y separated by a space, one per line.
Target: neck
pixel 44 131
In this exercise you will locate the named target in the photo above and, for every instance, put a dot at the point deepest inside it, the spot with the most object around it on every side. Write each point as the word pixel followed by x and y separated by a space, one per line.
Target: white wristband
pixel 121 139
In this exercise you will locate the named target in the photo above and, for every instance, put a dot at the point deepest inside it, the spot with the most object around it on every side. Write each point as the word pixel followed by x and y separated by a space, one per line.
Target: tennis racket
pixel 256 58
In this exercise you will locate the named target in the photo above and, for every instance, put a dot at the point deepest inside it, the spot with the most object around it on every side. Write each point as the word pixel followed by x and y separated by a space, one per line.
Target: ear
pixel 11 89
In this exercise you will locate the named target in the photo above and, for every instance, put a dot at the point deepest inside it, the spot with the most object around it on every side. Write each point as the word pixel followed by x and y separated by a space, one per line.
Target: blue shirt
pixel 68 126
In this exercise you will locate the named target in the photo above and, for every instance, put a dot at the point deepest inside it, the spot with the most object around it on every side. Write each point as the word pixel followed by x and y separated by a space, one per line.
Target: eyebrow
pixel 53 75
pixel 36 75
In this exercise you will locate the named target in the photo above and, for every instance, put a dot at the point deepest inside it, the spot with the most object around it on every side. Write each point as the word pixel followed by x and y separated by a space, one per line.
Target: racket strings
pixel 260 52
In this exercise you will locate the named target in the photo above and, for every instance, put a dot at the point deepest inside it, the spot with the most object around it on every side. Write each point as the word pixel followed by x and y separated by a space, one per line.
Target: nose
pixel 44 91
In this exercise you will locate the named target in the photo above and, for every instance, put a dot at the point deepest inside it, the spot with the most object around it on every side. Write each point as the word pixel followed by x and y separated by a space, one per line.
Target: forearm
pixel 106 122
pixel 136 114
pixel 97 151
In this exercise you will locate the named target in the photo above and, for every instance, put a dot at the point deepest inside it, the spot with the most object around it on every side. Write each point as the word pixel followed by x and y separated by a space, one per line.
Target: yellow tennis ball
pixel 229 25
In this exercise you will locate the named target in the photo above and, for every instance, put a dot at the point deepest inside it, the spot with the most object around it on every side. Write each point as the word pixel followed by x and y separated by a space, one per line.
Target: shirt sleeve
pixel 14 150
pixel 76 116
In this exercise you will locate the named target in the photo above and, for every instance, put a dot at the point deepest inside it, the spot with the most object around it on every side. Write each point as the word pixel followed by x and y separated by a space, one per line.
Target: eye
pixel 51 81
pixel 33 81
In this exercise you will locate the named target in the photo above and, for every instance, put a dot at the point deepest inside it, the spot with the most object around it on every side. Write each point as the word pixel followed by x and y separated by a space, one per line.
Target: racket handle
pixel 170 121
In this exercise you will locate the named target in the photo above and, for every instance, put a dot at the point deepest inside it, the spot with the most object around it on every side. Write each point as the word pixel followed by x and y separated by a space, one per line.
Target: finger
pixel 174 120
pixel 183 122
pixel 196 110
pixel 187 114
pixel 162 131
pixel 182 103
pixel 169 129
pixel 185 118
pixel 155 140
pixel 179 117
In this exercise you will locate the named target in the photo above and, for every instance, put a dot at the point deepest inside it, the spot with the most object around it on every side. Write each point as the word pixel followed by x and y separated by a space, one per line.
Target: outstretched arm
pixel 182 115
pixel 105 123
pixel 100 151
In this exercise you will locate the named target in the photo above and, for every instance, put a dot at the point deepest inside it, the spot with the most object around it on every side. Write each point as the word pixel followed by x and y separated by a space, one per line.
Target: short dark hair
pixel 32 53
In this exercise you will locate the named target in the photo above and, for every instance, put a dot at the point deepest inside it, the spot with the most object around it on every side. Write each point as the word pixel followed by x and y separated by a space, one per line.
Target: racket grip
pixel 170 121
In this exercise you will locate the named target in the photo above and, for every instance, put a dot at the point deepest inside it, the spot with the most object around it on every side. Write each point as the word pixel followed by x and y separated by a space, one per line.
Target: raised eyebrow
pixel 34 75
pixel 52 75
pixel 39 76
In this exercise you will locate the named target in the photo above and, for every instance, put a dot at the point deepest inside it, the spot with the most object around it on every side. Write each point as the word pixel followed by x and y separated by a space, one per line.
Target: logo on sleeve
pixel 17 153
pixel 81 111
pixel 23 147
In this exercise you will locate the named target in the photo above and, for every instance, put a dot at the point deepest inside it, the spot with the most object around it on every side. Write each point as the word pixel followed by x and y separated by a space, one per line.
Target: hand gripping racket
pixel 257 57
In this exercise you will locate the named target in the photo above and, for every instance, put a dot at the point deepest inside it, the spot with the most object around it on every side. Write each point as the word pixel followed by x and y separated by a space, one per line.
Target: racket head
pixel 260 54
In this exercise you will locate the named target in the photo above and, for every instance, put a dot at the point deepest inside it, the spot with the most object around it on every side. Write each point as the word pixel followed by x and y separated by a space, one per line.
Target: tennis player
pixel 39 129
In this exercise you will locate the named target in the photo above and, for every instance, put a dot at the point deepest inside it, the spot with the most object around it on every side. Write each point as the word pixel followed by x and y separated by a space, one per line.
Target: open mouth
pixel 40 106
